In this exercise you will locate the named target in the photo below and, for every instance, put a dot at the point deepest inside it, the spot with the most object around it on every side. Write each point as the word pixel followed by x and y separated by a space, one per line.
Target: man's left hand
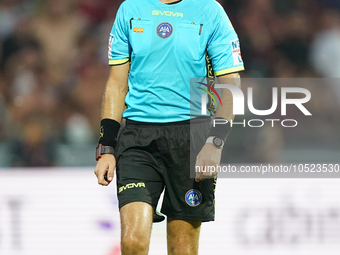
pixel 207 161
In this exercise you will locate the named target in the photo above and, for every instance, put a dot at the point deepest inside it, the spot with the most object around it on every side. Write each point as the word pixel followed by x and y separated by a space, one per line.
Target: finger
pixel 110 173
pixel 102 181
pixel 199 176
pixel 213 171
pixel 96 170
pixel 198 173
pixel 207 174
pixel 101 178
pixel 216 171
pixel 198 168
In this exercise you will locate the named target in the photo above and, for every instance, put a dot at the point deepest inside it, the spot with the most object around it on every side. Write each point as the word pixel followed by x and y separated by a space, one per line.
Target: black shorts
pixel 152 157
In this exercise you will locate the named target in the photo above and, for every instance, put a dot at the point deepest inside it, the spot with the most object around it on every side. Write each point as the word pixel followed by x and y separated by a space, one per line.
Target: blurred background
pixel 53 69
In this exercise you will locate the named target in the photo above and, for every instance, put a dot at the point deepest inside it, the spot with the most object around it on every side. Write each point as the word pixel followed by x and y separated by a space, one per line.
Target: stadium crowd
pixel 53 65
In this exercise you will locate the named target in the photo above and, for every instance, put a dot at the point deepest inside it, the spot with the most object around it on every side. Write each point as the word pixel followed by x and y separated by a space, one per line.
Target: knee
pixel 183 246
pixel 182 250
pixel 134 245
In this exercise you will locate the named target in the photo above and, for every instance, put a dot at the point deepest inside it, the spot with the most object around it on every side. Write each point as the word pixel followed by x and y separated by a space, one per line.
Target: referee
pixel 155 48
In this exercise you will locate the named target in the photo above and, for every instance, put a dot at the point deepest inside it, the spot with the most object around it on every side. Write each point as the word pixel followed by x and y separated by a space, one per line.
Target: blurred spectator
pixel 24 70
pixel 97 12
pixel 331 4
pixel 325 52
pixel 10 12
pixel 91 75
pixel 33 148
pixel 31 89
pixel 77 128
pixel 89 91
pixel 21 36
pixel 58 27
pixel 3 109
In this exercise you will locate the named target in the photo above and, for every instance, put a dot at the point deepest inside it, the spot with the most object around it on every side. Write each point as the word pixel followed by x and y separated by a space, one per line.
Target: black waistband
pixel 197 120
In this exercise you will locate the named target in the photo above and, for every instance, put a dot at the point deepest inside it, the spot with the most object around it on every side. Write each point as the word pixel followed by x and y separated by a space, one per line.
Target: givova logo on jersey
pixel 235 46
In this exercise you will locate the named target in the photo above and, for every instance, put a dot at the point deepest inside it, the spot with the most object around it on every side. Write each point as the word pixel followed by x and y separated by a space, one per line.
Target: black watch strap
pixel 101 150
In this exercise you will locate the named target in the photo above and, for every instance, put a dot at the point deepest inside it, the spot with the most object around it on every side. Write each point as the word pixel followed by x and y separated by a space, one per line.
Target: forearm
pixel 226 109
pixel 113 104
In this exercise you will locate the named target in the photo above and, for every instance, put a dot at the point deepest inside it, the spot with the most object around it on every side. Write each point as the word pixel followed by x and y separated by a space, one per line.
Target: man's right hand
pixel 105 167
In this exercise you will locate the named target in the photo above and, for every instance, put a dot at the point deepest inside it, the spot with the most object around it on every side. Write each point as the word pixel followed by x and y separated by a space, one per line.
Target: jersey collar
pixel 163 5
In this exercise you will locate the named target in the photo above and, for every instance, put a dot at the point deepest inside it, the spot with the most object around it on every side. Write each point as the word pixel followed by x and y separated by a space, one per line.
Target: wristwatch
pixel 101 150
pixel 216 141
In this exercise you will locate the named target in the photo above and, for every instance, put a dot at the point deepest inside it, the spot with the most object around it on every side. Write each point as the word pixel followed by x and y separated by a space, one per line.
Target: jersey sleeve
pixel 224 46
pixel 119 48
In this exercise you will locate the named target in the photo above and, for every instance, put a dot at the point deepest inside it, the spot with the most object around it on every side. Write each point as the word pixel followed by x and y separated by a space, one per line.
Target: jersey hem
pixel 229 70
pixel 118 62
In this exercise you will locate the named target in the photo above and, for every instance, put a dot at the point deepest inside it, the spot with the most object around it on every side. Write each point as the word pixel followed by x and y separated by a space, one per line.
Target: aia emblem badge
pixel 164 30
pixel 193 198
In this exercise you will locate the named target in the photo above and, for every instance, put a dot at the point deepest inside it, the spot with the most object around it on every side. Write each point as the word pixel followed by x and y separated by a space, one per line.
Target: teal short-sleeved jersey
pixel 167 46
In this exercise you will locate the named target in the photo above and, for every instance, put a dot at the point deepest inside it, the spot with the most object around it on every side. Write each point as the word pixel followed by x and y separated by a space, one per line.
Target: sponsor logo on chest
pixel 167 13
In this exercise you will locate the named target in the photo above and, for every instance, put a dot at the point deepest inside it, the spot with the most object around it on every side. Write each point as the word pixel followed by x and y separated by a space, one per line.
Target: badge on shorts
pixel 193 198
pixel 164 30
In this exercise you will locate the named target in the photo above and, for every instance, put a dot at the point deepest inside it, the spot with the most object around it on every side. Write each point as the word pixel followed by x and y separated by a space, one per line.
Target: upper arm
pixel 232 79
pixel 119 76
pixel 228 76
pixel 119 48
pixel 223 46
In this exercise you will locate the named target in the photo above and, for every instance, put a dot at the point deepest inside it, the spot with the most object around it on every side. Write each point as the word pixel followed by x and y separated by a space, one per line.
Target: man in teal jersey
pixel 155 48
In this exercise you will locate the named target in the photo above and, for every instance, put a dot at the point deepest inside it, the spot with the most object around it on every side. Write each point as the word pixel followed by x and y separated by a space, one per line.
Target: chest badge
pixel 193 198
pixel 138 30
pixel 164 30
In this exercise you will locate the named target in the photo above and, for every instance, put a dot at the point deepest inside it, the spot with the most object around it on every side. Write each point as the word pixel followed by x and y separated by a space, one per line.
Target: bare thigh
pixel 183 236
pixel 136 222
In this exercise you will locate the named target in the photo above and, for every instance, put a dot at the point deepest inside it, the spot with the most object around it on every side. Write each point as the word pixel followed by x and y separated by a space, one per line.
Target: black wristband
pixel 108 132
pixel 220 128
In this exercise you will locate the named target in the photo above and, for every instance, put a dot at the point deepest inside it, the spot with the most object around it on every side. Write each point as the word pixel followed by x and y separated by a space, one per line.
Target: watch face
pixel 218 142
